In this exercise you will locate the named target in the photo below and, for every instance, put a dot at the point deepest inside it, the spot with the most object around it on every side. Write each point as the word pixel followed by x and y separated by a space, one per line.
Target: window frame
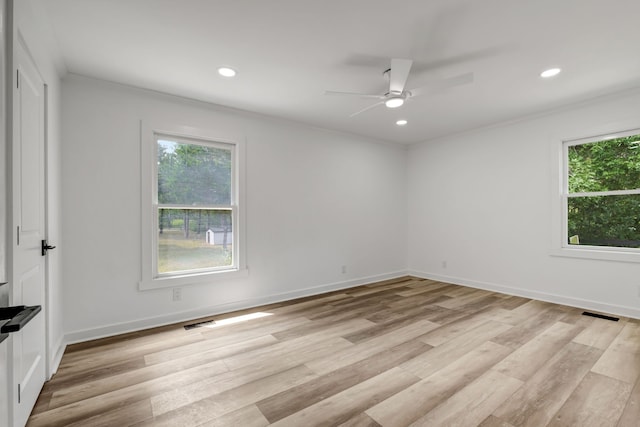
pixel 561 246
pixel 151 278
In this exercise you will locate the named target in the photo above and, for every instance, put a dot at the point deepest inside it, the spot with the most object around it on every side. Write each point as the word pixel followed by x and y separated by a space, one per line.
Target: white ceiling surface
pixel 288 52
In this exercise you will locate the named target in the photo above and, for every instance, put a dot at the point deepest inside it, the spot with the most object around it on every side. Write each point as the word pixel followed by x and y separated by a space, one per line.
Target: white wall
pixel 483 202
pixel 316 200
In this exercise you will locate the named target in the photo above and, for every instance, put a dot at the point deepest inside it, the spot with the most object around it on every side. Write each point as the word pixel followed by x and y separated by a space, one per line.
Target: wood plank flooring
pixel 404 352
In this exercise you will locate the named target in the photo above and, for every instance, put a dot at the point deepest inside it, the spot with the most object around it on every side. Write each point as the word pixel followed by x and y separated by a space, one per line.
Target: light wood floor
pixel 396 353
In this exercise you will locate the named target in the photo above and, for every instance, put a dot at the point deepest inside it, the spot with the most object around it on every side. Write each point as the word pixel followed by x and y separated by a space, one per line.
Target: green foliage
pixel 196 175
pixel 200 220
pixel 193 176
pixel 610 165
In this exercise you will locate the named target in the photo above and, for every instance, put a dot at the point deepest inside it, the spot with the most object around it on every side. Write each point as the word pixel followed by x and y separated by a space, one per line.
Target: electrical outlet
pixel 444 264
pixel 177 294
pixel 344 269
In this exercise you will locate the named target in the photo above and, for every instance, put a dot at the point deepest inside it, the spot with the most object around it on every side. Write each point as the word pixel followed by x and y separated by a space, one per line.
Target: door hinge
pixel 18 236
pixel 19 393
pixel 17 79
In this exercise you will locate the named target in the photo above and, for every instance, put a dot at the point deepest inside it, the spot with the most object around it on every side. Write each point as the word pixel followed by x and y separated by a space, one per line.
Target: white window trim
pixel 559 149
pixel 149 221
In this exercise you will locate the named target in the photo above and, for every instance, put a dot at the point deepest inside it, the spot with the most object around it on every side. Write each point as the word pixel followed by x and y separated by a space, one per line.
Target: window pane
pixel 605 220
pixel 605 165
pixel 191 174
pixel 192 239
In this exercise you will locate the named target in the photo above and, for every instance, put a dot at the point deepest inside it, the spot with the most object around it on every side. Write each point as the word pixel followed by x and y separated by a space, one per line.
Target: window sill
pixel 192 279
pixel 595 253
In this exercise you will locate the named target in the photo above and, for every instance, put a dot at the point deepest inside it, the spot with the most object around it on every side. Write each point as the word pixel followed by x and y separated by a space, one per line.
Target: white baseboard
pixel 152 322
pixel 57 357
pixel 619 310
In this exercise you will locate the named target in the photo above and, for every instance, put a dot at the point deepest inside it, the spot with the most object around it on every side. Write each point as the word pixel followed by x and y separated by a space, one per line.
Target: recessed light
pixel 394 102
pixel 226 72
pixel 401 122
pixel 550 73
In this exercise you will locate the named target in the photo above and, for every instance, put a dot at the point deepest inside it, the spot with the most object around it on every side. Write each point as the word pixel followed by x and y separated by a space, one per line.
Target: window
pixel 601 194
pixel 194 209
pixel 192 223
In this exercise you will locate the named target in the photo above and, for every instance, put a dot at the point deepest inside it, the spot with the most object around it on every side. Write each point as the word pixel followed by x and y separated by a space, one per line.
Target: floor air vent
pixel 198 325
pixel 599 316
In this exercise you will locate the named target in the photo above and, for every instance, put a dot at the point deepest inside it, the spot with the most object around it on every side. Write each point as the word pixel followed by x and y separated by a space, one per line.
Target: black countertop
pixel 2 322
pixel 18 316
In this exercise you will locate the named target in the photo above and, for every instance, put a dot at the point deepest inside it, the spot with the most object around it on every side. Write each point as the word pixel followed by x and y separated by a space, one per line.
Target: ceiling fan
pixel 397 75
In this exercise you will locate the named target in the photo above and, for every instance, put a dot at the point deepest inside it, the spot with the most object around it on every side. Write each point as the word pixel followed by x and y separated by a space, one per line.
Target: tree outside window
pixel 603 192
pixel 195 209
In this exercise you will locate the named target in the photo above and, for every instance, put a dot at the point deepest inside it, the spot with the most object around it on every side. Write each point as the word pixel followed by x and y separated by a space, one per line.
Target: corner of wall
pixel 619 310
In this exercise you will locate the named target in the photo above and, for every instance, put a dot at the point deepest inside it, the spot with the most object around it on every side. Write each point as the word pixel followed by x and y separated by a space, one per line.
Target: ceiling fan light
pixel 394 102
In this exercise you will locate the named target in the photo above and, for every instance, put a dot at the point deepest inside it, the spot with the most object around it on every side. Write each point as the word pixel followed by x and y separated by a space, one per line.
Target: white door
pixel 28 266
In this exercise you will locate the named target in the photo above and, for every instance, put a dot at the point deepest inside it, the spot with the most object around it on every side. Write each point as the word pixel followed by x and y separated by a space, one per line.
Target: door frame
pixel 47 263
pixel 14 41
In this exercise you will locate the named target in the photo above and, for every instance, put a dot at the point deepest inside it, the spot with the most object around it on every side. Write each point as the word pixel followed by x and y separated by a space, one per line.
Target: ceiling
pixel 288 52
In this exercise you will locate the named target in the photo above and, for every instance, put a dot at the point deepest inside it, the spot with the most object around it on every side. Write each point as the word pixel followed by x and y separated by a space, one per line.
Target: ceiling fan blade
pixel 361 95
pixel 367 108
pixel 481 54
pixel 399 73
pixel 459 80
